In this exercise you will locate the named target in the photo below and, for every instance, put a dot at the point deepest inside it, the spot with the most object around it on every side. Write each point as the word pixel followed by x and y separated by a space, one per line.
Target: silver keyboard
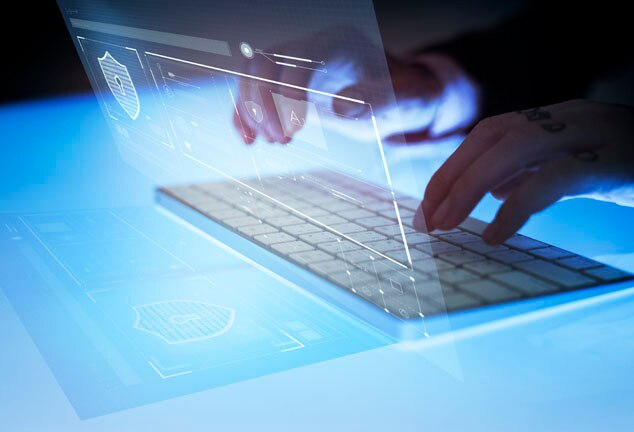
pixel 358 245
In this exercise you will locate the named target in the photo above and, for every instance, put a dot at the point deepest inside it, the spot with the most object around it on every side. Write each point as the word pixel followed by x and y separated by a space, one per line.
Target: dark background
pixel 41 61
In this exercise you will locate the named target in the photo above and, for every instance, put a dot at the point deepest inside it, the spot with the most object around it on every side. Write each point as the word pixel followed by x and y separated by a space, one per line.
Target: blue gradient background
pixel 569 368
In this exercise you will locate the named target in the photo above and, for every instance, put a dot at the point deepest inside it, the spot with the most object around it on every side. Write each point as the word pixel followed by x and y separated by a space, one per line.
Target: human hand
pixel 531 159
pixel 349 73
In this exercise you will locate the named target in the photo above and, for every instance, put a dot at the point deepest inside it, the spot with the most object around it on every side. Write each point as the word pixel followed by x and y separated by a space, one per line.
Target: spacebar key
pixel 555 273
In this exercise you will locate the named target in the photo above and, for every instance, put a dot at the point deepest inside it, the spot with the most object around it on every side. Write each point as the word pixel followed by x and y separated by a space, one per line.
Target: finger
pixel 279 125
pixel 540 191
pixel 504 190
pixel 251 90
pixel 272 126
pixel 485 134
pixel 517 150
pixel 246 93
pixel 245 132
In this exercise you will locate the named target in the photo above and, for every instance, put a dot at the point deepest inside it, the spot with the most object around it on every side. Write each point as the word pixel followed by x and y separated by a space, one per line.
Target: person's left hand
pixel 531 159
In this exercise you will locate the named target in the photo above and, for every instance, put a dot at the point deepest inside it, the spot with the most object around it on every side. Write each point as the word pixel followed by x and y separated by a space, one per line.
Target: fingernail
pixel 426 215
pixel 439 217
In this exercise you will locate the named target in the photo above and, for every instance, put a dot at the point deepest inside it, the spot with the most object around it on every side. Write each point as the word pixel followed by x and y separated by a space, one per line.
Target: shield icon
pixel 255 111
pixel 180 321
pixel 121 85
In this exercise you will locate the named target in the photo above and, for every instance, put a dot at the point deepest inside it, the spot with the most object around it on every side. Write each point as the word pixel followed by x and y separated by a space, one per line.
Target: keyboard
pixel 360 237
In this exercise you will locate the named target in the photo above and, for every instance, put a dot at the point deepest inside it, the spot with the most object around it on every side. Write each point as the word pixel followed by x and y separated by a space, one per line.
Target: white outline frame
pixel 378 139
pixel 169 144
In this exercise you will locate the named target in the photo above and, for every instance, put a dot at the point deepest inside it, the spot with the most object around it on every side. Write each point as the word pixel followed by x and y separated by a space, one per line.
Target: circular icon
pixel 246 50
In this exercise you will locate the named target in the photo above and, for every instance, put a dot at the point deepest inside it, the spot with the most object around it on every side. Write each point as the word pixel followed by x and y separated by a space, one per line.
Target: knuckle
pixel 485 125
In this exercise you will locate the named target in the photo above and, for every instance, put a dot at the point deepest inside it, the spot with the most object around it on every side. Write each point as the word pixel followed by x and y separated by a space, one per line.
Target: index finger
pixel 484 135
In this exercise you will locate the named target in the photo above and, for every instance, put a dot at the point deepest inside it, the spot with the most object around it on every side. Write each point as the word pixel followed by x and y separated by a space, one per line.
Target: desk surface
pixel 564 368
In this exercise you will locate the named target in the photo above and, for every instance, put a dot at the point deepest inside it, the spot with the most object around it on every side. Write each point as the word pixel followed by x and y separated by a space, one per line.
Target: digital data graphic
pixel 120 84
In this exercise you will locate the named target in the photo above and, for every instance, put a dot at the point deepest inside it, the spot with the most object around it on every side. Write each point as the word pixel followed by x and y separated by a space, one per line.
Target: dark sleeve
pixel 549 52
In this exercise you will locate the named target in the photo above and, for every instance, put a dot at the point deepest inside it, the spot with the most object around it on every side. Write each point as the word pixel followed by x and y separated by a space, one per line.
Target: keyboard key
pixel 401 255
pixel 389 285
pixel 483 248
pixel 490 291
pixel 429 288
pixel 282 221
pixel 330 219
pixel 378 206
pixel 554 273
pixel 391 213
pixel 314 211
pixel 357 213
pixel 608 274
pixel 383 246
pixel 439 232
pixel 417 238
pixel 352 278
pixel 275 237
pixel 473 226
pixel 402 306
pixel 454 276
pixel 310 257
pixel 519 241
pixel 509 256
pixel 329 267
pixel 335 247
pixel 578 263
pixel 319 237
pixel 374 221
pixel 340 207
pixel 262 212
pixel 525 283
pixel 409 203
pixel 460 257
pixel 404 277
pixel 431 265
pixel 253 230
pixel 226 214
pixel 241 221
pixel 357 256
pixel 366 236
pixel 370 291
pixel 347 228
pixel 438 248
pixel 213 206
pixel 460 237
pixel 486 267
pixel 299 229
pixel 458 300
pixel 551 253
pixel 379 266
pixel 291 247
pixel 393 230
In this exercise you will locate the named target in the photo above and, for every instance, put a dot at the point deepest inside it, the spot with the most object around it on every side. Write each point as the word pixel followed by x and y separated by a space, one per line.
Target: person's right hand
pixel 531 159
pixel 349 73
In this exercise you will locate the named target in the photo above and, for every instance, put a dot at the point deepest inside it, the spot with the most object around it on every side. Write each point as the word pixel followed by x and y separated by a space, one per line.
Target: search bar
pixel 173 39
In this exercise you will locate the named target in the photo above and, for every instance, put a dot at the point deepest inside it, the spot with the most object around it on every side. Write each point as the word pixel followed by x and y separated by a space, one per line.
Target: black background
pixel 39 59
